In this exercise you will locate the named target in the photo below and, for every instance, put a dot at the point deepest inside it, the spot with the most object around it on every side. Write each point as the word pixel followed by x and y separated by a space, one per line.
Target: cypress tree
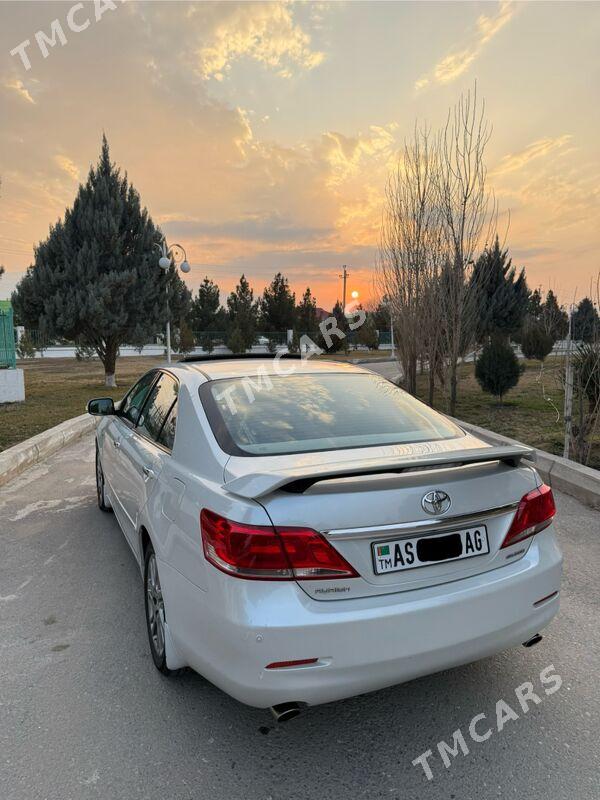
pixel 278 306
pixel 96 278
pixel 500 296
pixel 586 323
pixel 306 314
pixel 242 314
pixel 554 317
pixel 536 342
pixel 206 313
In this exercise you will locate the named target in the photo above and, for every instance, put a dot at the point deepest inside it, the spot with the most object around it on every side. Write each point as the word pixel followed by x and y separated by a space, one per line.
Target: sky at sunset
pixel 260 135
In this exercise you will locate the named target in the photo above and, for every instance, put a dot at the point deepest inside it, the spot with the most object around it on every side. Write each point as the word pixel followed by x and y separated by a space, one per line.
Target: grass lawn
pixel 57 389
pixel 528 412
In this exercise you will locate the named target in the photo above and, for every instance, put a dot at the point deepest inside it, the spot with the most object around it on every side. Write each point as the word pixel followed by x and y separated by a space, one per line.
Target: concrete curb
pixel 566 476
pixel 15 460
pixel 374 360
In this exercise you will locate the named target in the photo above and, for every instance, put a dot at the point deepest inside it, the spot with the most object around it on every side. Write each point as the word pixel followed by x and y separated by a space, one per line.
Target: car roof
pixel 215 369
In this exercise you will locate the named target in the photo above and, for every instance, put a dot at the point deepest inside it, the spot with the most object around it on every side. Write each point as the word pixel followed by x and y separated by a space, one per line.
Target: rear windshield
pixel 275 415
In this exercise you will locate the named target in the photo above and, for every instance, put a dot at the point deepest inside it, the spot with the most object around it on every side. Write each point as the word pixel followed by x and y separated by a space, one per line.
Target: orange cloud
pixel 17 85
pixel 537 149
pixel 67 166
pixel 458 61
pixel 264 32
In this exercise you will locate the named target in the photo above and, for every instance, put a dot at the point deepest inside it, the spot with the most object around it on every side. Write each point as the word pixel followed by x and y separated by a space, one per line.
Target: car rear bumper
pixel 232 631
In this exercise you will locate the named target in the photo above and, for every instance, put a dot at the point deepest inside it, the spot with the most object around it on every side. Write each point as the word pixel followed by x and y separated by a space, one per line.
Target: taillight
pixel 265 553
pixel 535 512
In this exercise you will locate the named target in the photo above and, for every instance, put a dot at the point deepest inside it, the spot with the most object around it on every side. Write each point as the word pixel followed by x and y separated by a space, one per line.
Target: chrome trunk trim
pixel 401 530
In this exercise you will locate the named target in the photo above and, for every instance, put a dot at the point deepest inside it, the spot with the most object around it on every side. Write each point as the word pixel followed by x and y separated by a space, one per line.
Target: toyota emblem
pixel 436 502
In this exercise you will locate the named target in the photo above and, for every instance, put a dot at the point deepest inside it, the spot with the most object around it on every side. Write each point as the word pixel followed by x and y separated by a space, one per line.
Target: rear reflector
pixel 535 512
pixel 284 664
pixel 543 599
pixel 261 552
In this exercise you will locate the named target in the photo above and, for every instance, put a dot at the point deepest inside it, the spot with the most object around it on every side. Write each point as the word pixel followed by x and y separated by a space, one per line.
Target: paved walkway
pixel 84 714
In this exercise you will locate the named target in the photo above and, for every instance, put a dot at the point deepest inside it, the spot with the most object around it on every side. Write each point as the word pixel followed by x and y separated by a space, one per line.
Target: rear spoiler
pixel 299 479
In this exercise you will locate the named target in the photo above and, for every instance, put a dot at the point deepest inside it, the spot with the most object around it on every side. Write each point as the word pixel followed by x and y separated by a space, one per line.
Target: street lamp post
pixel 171 255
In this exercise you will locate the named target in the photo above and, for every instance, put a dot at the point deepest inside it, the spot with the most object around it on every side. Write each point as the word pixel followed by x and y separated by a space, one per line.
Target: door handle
pixel 116 443
pixel 149 472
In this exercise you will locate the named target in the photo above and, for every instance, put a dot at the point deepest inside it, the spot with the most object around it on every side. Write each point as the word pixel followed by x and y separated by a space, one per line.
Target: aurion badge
pixel 436 502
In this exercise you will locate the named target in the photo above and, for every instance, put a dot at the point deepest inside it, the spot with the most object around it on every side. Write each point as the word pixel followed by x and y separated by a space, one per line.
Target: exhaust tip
pixel 283 712
pixel 534 640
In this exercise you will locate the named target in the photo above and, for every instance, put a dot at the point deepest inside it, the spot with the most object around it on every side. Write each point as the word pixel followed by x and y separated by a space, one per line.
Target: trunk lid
pixel 356 506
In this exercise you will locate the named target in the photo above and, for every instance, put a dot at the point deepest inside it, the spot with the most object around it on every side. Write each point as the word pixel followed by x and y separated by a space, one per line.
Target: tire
pixel 103 503
pixel 155 613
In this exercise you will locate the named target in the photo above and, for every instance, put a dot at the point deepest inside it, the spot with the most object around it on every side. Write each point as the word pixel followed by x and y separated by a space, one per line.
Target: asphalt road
pixel 84 714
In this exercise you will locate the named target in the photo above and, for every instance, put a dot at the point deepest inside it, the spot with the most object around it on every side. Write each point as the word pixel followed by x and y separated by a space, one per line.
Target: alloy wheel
pixel 155 609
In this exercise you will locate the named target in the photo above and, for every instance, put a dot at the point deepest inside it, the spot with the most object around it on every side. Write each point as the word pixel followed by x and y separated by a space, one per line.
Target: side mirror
pixel 102 407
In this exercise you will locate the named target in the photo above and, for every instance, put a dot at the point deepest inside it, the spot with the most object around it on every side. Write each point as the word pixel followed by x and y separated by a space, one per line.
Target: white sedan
pixel 307 531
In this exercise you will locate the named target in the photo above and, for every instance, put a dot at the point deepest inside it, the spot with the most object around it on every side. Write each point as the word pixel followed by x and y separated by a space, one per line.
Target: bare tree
pixel 586 391
pixel 468 215
pixel 408 259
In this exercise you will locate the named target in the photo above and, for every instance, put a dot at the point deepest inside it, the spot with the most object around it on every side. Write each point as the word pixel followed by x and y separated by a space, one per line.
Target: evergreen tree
pixel 185 338
pixel 242 317
pixel 25 346
pixel 536 342
pixel 534 306
pixel 206 313
pixel 497 369
pixel 367 334
pixel 236 341
pixel 278 306
pixel 381 317
pixel 500 298
pixel 554 317
pixel 294 345
pixel 306 314
pixel 206 342
pixel 586 323
pixel 96 277
pixel 337 343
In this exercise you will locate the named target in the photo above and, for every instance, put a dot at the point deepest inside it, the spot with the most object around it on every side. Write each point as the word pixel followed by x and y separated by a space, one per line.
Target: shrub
pixel 536 342
pixel 586 369
pixel 236 341
pixel 367 334
pixel 25 346
pixel 497 370
pixel 294 344
pixel 185 340
pixel 206 342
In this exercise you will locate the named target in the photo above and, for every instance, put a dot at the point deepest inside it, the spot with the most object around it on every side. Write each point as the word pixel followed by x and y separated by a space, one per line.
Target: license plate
pixel 422 551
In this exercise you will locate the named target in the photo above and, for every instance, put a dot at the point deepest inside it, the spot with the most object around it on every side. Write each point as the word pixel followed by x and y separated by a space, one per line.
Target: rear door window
pixel 167 434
